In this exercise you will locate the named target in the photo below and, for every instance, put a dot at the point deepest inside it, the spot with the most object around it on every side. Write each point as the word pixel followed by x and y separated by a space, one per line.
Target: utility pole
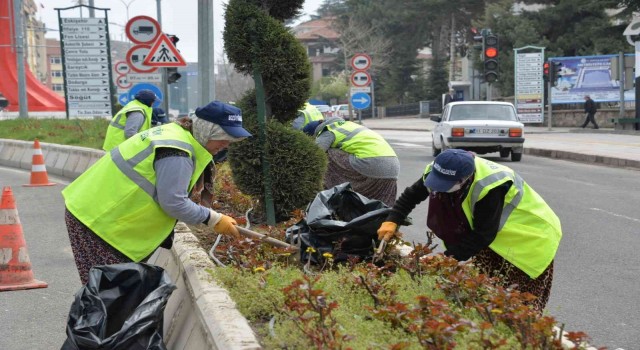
pixel 19 40
pixel 452 50
pixel 206 58
pixel 92 11
pixel 165 84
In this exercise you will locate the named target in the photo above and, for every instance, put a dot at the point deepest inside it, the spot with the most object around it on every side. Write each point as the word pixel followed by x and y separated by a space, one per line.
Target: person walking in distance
pixel 485 211
pixel 450 97
pixel 590 110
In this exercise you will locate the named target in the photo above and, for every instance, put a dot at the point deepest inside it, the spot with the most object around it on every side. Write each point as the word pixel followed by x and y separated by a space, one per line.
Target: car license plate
pixel 485 131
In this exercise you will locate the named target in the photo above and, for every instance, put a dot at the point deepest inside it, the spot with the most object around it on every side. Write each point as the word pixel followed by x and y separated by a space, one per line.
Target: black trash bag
pixel 341 222
pixel 121 307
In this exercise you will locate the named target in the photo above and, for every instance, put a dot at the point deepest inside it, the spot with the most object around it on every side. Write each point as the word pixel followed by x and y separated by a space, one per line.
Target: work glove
pixel 387 230
pixel 223 224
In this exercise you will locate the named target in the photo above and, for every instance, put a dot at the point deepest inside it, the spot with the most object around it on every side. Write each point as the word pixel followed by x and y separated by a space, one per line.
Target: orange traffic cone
pixel 39 175
pixel 15 266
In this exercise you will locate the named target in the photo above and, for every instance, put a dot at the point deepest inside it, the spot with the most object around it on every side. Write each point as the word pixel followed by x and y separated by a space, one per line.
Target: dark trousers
pixel 590 118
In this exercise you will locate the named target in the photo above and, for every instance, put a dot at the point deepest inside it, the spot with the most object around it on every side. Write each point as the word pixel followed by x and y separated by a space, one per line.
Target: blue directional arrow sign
pixel 123 99
pixel 360 100
pixel 138 87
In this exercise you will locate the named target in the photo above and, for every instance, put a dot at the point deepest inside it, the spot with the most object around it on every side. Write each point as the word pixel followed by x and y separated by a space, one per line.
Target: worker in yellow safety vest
pixel 357 155
pixel 485 210
pixel 126 205
pixel 134 117
pixel 307 115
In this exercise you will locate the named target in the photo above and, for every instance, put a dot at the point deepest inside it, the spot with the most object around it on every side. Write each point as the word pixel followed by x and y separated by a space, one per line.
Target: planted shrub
pixel 297 166
pixel 255 37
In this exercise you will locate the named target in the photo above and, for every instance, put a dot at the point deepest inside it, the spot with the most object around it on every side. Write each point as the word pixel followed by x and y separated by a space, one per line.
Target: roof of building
pixel 316 29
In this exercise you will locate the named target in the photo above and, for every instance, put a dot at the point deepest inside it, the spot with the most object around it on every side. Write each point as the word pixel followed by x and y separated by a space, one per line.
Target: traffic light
pixel 490 53
pixel 554 72
pixel 172 72
pixel 545 70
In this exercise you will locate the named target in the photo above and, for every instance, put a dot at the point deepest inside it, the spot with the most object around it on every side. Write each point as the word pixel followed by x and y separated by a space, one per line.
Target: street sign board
pixel 86 62
pixel 138 87
pixel 360 100
pixel 529 86
pixel 144 78
pixel 123 82
pixel 136 57
pixel 122 67
pixel 360 79
pixel 361 61
pixel 355 90
pixel 142 30
pixel 164 54
pixel 123 98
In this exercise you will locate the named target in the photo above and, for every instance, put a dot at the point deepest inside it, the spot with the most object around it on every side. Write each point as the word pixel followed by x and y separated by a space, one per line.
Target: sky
pixel 179 17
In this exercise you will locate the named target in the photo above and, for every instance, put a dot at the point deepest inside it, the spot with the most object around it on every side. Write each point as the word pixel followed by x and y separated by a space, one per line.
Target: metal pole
pixel 206 58
pixel 22 80
pixel 621 79
pixel 164 85
pixel 92 11
pixel 373 100
pixel 549 102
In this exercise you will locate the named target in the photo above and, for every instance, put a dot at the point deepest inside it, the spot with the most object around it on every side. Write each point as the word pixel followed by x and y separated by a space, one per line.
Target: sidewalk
pixel 602 146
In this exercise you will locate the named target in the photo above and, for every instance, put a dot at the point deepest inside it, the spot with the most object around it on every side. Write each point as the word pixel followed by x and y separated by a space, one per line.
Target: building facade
pixel 322 44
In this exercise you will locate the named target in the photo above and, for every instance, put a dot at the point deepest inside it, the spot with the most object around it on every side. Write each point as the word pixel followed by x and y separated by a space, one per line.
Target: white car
pixel 341 111
pixel 481 127
pixel 325 110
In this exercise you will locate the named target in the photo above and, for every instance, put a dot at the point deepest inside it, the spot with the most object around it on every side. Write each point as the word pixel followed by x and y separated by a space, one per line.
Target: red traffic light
pixel 491 52
pixel 545 68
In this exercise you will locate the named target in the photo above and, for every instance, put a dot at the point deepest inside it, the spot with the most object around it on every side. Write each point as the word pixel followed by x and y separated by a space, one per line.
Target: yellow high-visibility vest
pixel 115 131
pixel 116 197
pixel 359 140
pixel 529 233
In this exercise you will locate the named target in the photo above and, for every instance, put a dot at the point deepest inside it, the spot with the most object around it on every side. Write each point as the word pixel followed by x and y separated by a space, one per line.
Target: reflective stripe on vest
pixel 127 166
pixel 359 140
pixel 116 197
pixel 115 130
pixel 529 231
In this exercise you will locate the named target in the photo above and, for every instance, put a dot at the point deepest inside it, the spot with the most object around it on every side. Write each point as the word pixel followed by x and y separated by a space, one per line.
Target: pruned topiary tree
pixel 255 38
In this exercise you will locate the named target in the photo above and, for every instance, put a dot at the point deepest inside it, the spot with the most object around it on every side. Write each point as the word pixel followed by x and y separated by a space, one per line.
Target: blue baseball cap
pixel 146 96
pixel 449 168
pixel 227 116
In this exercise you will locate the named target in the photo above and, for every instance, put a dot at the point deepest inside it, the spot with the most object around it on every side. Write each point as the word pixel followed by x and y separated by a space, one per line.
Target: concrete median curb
pixel 584 158
pixel 200 314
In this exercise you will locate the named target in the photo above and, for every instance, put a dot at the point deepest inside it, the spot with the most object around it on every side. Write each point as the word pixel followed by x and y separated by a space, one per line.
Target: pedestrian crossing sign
pixel 164 54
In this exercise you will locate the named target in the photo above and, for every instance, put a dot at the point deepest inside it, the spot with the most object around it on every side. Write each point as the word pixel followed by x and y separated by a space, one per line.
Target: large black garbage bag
pixel 121 307
pixel 341 222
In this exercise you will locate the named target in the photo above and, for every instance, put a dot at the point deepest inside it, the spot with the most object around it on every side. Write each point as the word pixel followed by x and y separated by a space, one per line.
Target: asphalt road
pixel 596 269
pixel 596 278
pixel 36 318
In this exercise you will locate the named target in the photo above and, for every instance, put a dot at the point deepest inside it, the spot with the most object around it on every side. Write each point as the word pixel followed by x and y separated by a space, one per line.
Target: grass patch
pixel 73 132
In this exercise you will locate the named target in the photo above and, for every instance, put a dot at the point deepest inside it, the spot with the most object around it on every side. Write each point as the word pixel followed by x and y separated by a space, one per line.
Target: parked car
pixel 481 127
pixel 341 111
pixel 324 109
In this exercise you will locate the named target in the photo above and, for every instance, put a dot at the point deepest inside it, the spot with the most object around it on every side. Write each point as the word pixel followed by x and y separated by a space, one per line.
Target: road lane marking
pixel 616 215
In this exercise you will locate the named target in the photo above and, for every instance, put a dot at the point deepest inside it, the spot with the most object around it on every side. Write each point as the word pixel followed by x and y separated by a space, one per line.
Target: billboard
pixel 587 75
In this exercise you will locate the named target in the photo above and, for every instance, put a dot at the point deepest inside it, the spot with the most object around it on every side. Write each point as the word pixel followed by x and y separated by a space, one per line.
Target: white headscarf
pixel 204 131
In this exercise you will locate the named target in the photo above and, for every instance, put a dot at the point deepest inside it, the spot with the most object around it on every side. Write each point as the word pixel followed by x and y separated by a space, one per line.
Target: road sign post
pixel 86 65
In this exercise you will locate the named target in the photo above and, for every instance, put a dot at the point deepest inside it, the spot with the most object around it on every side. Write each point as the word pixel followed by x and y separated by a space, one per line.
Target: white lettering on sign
pixel 235 117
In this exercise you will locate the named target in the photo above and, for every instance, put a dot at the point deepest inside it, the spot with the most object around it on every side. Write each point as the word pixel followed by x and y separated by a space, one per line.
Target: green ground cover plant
pixel 420 301
pixel 73 132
